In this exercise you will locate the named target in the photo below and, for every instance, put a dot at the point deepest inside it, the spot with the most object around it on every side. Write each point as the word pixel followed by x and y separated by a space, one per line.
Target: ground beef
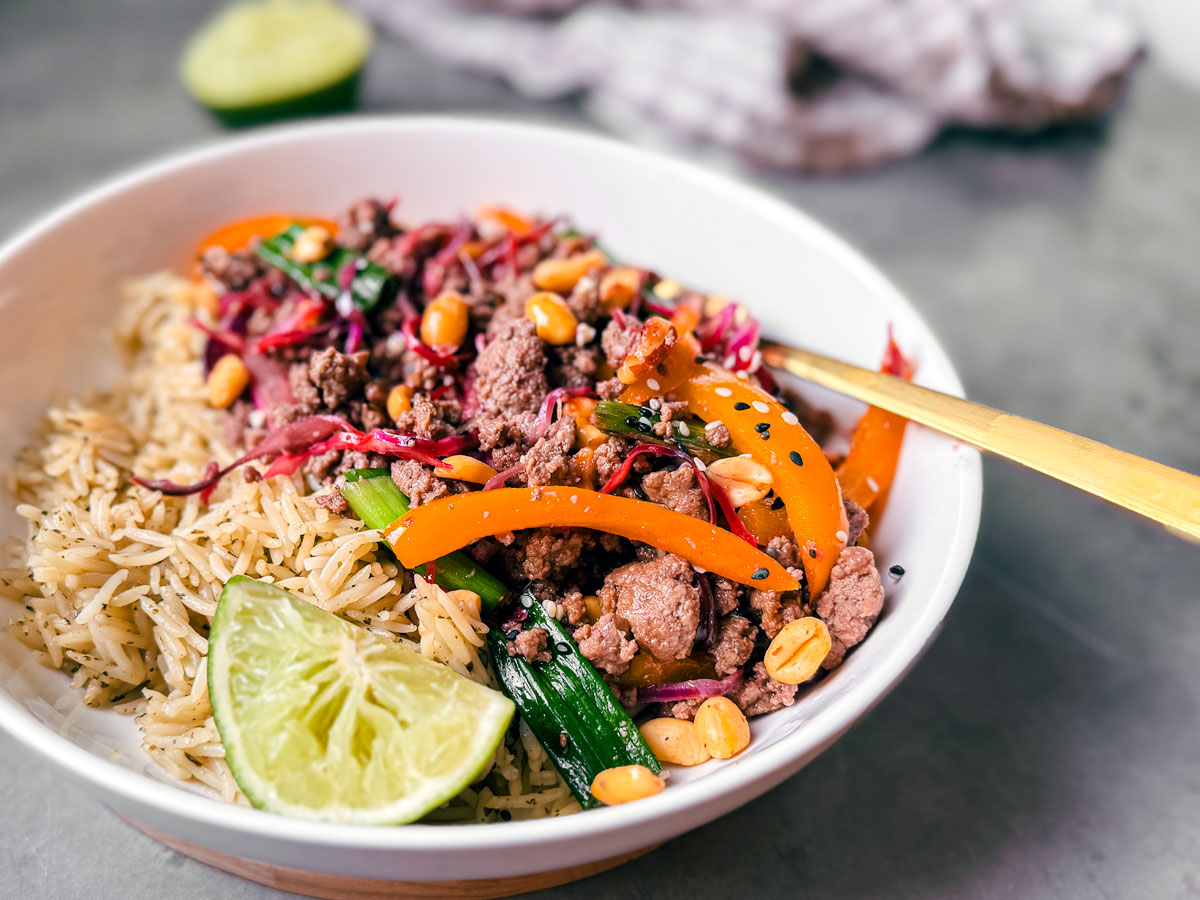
pixel 734 644
pixel 717 434
pixel 725 592
pixel 676 489
pixel 760 693
pixel 307 396
pixel 606 645
pixel 338 376
pixel 548 461
pixel 232 271
pixel 608 458
pixel 543 553
pixel 660 601
pixel 775 610
pixel 584 300
pixel 683 709
pixel 609 389
pixel 785 549
pixel 573 366
pixel 333 501
pixel 417 481
pixel 430 420
pixel 533 644
pixel 617 341
pixel 510 384
pixel 857 520
pixel 851 603
pixel 364 223
pixel 573 608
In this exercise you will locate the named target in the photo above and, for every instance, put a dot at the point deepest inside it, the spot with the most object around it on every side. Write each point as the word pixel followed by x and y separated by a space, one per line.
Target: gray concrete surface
pixel 1049 744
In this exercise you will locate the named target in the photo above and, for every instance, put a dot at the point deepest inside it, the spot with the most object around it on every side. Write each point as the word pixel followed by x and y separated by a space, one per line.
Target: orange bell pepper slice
pixel 515 223
pixel 236 235
pixel 867 471
pixel 764 521
pixel 801 475
pixel 677 367
pixel 431 531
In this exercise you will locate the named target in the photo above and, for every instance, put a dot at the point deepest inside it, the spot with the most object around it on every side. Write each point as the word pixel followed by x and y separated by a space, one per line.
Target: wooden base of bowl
pixel 342 887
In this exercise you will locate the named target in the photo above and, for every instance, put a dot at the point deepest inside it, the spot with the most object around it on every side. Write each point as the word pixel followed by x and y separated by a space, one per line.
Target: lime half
pixel 323 720
pixel 267 59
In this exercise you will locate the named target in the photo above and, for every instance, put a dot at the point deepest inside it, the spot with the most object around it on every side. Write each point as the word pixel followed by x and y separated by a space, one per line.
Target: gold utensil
pixel 1165 495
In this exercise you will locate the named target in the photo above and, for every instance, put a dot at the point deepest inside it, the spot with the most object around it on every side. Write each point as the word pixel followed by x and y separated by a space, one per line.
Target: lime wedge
pixel 323 720
pixel 265 59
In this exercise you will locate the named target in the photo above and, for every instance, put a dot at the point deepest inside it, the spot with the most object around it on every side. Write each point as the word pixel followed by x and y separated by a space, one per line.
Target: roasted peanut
pixel 555 322
pixel 722 727
pixel 625 783
pixel 313 244
pixel 227 380
pixel 619 286
pixel 399 401
pixel 657 338
pixel 464 468
pixel 798 650
pixel 667 289
pixel 562 275
pixel 685 319
pixel 674 741
pixel 444 322
pixel 744 479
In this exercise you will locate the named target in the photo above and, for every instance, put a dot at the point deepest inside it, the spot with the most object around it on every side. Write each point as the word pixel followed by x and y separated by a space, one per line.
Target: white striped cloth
pixel 817 85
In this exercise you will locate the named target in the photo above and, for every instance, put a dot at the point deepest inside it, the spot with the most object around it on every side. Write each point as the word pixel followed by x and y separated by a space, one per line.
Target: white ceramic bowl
pixel 57 290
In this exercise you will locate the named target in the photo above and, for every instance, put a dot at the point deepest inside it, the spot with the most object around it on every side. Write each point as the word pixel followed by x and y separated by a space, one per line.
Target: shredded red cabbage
pixel 229 341
pixel 546 414
pixel 712 331
pixel 269 385
pixel 292 444
pixel 699 688
pixel 739 352
pixel 434 275
pixel 619 476
pixel 497 480
pixel 293 438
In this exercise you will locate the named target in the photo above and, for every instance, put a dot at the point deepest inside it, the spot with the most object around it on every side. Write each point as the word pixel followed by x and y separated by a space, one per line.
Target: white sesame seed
pixel 486 513
pixel 257 418
pixel 700 570
pixel 728 361
pixel 744 354
pixel 789 418
pixel 744 375
pixel 760 407
pixel 448 380
pixel 699 463
pixel 584 334
pixel 551 608
pixel 645 421
pixel 841 536
pixel 872 483
pixel 574 498
pixel 684 430
pixel 713 424
pixel 723 392
pixel 755 363
pixel 655 403
pixel 653 384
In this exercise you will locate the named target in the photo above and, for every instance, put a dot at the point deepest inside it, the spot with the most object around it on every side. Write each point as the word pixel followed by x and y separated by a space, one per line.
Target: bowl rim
pixel 816 734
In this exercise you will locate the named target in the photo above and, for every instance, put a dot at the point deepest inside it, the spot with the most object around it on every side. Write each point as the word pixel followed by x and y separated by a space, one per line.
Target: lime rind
pixel 321 719
pixel 262 55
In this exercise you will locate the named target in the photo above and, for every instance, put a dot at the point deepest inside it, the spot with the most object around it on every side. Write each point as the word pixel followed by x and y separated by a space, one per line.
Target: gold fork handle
pixel 1158 492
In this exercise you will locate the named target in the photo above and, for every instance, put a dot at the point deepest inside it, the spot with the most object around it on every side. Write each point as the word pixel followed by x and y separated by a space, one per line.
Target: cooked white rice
pixel 117 585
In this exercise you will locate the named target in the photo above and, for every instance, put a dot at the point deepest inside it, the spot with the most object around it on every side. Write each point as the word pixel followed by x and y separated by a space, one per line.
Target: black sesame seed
pixel 777 503
pixel 897 570
pixel 698 360
pixel 562 647
pixel 812 552
pixel 512 635
pixel 765 435
pixel 760 574
pixel 796 458
pixel 632 421
pixel 739 406
pixel 762 426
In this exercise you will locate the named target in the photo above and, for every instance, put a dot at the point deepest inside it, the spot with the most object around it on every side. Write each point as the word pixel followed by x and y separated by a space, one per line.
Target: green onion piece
pixel 568 707
pixel 637 422
pixel 370 286
pixel 376 500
